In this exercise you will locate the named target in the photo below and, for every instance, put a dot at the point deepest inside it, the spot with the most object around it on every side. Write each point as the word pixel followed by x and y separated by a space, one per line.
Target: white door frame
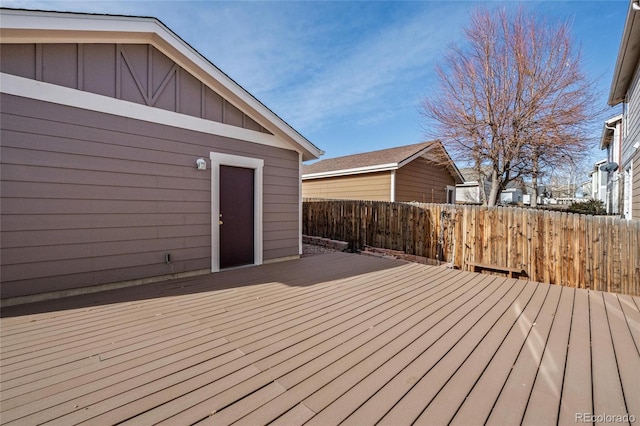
pixel 257 164
pixel 453 194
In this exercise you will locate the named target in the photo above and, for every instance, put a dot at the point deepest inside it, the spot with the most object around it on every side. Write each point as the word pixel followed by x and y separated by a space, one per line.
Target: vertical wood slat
pixel 598 253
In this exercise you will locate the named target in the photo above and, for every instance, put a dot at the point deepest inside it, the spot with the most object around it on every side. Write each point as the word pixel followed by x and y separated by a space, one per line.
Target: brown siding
pixel 90 198
pixel 423 181
pixel 137 73
pixel 368 186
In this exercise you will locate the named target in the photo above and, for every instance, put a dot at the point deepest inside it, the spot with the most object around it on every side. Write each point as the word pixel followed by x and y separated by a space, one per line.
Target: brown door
pixel 236 216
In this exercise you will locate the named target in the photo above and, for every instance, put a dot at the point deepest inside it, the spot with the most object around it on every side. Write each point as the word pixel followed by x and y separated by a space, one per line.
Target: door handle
pixel 220 222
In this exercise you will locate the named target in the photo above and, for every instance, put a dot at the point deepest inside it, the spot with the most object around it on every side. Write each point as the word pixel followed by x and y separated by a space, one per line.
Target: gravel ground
pixel 310 249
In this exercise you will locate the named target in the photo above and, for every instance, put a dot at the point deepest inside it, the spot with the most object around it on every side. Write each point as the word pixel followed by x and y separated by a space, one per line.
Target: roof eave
pixel 605 140
pixel 353 171
pixel 627 58
pixel 451 165
pixel 607 132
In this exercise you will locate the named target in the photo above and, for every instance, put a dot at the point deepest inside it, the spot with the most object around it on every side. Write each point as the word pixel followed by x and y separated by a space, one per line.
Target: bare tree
pixel 514 99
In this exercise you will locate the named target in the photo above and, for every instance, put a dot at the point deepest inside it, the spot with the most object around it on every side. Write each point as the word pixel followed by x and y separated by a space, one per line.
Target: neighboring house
pixel 511 196
pixel 585 189
pixel 422 172
pixel 470 191
pixel 128 157
pixel 599 181
pixel 625 89
pixel 611 140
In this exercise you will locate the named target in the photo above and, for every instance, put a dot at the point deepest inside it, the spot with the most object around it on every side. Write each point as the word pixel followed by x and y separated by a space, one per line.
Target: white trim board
pixel 354 171
pixel 47 92
pixel 217 160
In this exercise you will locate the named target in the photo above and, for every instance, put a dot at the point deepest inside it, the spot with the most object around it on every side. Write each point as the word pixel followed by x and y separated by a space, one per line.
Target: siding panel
pixel 18 59
pixel 190 95
pixel 99 66
pixel 423 181
pixel 368 186
pixel 60 64
pixel 89 198
pixel 629 153
pixel 23 173
pixel 635 187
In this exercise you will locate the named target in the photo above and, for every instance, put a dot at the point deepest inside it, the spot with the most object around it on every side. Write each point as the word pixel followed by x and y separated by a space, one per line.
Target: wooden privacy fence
pixel 594 252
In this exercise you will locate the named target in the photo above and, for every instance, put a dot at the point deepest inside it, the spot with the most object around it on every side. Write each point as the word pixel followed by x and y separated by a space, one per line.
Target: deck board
pixel 544 402
pixel 322 361
pixel 322 340
pixel 576 395
pixel 626 355
pixel 414 384
pixel 433 383
pixel 608 397
pixel 514 397
pixel 480 402
pixel 450 397
pixel 410 344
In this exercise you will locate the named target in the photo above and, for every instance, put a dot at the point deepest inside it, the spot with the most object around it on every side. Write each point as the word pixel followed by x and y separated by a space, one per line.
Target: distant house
pixel 611 140
pixel 599 181
pixel 470 191
pixel 625 89
pixel 128 157
pixel 511 196
pixel 421 172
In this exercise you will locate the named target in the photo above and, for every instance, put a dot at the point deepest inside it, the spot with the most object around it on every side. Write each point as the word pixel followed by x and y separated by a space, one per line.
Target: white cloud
pixel 373 74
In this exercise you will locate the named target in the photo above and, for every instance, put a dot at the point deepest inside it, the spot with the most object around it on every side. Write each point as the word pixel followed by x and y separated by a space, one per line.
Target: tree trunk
pixel 534 181
pixel 534 196
pixel 492 199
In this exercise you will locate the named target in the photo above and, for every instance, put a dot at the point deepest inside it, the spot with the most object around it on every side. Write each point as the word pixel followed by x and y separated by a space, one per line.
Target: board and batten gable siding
pixel 137 73
pixel 367 186
pixel 90 198
pixel 423 181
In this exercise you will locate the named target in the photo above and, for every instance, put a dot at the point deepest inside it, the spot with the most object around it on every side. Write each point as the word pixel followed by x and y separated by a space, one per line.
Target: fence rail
pixel 594 252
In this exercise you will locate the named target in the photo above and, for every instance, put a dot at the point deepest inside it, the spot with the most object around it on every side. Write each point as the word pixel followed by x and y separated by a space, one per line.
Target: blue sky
pixel 349 75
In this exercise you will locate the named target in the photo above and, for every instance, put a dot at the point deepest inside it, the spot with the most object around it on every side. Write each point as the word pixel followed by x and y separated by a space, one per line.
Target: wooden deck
pixel 327 339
